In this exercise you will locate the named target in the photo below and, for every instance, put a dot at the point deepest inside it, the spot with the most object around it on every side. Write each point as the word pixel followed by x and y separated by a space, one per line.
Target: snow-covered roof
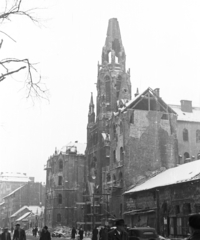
pixel 2 203
pixel 74 146
pixel 13 177
pixel 23 216
pixel 36 209
pixel 193 116
pixel 182 173
pixel 18 211
pixel 17 189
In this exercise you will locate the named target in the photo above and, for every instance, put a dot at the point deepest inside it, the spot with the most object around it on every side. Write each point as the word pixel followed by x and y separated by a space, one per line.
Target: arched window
pixel 197 135
pixel 186 155
pixel 59 198
pixel 185 135
pixel 121 154
pixel 114 156
pixel 60 165
pixel 58 217
pixel 60 179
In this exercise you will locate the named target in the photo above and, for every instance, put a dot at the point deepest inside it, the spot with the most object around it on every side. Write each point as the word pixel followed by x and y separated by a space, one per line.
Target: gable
pixel 149 101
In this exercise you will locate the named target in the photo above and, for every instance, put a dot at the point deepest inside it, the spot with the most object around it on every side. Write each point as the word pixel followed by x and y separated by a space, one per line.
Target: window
pixel 108 178
pixel 186 155
pixel 114 179
pixel 60 165
pixel 186 208
pixel 132 118
pixel 60 180
pixel 114 156
pixel 121 154
pixel 198 136
pixel 177 209
pixel 58 217
pixel 59 198
pixel 185 135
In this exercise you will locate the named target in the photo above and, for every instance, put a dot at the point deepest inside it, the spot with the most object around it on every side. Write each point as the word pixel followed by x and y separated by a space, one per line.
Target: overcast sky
pixel 162 45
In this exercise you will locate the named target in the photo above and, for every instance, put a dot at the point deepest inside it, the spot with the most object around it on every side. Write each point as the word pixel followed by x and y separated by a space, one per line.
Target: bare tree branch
pixel 11 66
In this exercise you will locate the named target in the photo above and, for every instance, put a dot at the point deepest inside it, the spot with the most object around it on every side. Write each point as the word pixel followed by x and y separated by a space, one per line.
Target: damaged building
pixel 166 200
pixel 131 140
pixel 65 186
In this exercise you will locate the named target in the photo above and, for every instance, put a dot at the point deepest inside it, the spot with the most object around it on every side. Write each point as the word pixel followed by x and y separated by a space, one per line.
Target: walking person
pixel 5 235
pixel 19 234
pixel 45 234
pixel 95 234
pixel 119 233
pixel 194 227
pixel 81 232
pixel 73 233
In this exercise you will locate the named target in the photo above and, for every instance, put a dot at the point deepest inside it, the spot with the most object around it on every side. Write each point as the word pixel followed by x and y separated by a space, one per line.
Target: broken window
pixel 121 154
pixel 177 209
pixel 197 135
pixel 60 179
pixel 108 178
pixel 185 135
pixel 165 116
pixel 60 165
pixel 58 217
pixel 59 198
pixel 114 179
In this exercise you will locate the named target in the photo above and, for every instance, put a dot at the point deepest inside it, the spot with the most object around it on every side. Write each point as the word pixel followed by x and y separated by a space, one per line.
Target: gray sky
pixel 162 45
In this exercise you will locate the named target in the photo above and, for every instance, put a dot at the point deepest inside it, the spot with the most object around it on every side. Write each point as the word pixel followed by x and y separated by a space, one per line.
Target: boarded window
pixel 185 135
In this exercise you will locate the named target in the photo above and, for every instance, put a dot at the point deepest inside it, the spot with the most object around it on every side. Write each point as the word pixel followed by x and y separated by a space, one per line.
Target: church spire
pixel 113 50
pixel 91 114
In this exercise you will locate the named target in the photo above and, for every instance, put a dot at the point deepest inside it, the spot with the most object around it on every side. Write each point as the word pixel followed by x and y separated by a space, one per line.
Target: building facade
pixel 9 181
pixel 65 187
pixel 165 201
pixel 29 194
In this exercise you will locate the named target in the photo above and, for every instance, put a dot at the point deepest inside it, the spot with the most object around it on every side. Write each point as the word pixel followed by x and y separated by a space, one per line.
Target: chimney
pixel 186 106
pixel 137 93
pixel 157 91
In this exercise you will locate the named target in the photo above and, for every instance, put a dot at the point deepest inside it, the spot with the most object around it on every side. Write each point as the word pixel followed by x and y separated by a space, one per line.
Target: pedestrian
pixel 36 231
pixel 45 234
pixel 81 232
pixel 12 229
pixel 95 234
pixel 119 233
pixel 73 233
pixel 19 234
pixel 5 235
pixel 194 227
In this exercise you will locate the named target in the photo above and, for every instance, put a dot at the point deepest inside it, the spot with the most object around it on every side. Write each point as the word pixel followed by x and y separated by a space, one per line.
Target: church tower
pixel 113 83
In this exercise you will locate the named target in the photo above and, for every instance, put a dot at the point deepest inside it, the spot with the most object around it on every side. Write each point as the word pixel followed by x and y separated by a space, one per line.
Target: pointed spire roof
pixel 113 39
pixel 91 99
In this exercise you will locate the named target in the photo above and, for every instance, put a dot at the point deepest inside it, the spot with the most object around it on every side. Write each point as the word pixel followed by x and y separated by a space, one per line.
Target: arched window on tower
pixel 121 154
pixel 59 198
pixel 60 165
pixel 60 179
pixel 185 135
pixel 109 57
pixel 121 128
pixel 107 85
pixel 197 135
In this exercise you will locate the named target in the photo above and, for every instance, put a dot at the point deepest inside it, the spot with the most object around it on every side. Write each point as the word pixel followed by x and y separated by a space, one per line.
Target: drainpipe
pixel 157 211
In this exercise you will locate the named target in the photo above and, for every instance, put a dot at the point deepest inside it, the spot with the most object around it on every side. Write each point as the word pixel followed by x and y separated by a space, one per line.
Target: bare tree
pixel 11 66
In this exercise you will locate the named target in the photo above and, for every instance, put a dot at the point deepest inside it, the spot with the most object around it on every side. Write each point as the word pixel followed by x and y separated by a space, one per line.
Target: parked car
pixel 57 234
pixel 143 233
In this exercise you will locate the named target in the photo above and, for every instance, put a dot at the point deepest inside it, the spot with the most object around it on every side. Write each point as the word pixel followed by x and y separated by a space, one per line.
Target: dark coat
pixel 3 237
pixel 73 233
pixel 114 235
pixel 19 234
pixel 195 235
pixel 95 234
pixel 81 233
pixel 45 235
